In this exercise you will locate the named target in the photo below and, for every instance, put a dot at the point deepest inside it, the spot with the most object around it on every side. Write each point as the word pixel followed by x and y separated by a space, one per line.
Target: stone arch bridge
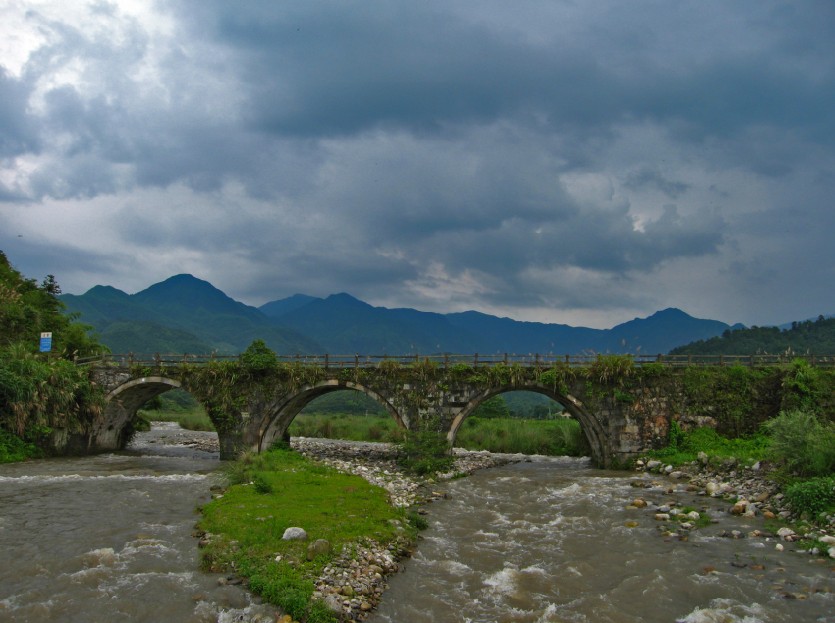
pixel 624 404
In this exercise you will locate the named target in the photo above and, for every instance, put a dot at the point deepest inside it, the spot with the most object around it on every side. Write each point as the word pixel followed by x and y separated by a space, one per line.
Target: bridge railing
pixel 329 361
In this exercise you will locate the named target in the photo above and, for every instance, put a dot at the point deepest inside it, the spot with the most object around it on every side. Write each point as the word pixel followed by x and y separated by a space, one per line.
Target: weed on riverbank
pixel 13 448
pixel 282 489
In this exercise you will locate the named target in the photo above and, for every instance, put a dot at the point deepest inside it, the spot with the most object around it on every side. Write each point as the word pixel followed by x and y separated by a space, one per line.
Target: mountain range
pixel 186 314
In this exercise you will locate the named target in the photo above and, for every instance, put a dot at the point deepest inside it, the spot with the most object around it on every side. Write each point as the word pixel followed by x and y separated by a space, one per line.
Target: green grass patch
pixel 560 437
pixel 685 447
pixel 346 426
pixel 282 489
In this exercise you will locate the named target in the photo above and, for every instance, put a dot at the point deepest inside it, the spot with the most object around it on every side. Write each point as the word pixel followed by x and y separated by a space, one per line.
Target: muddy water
pixel 109 538
pixel 550 541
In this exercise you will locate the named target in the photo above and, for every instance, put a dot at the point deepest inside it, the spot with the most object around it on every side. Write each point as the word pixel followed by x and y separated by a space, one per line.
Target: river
pixel 109 538
pixel 549 541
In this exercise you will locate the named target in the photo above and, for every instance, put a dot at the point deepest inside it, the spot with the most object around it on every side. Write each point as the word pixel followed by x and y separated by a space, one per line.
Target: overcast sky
pixel 581 162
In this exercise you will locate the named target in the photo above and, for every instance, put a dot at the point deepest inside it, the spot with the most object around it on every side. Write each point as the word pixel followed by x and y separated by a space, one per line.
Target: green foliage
pixel 346 426
pixel 804 443
pixel 460 371
pixel 261 484
pixel 559 377
pixel 425 450
pixel 258 357
pixel 560 437
pixel 813 496
pixel 494 407
pixel 417 521
pixel 685 446
pixel 802 387
pixel 808 337
pixel 38 395
pixel 737 397
pixel 13 448
pixel 611 369
pixel 27 309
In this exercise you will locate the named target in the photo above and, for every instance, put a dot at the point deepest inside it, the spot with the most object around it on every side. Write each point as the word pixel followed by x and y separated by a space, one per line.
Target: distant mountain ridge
pixel 345 324
pixel 179 315
pixel 187 314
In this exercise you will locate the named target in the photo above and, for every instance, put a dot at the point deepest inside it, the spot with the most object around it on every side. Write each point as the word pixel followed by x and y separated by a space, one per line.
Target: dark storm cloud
pixel 649 178
pixel 528 154
pixel 335 69
pixel 17 132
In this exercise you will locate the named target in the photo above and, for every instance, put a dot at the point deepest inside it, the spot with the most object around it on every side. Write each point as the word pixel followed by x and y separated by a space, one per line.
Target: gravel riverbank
pixel 748 492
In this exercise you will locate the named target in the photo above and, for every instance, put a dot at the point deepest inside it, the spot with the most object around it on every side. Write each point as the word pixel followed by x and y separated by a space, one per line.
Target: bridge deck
pixel 328 361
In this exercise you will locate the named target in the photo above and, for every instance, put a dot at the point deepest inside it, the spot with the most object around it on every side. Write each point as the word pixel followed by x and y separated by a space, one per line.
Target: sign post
pixel 46 342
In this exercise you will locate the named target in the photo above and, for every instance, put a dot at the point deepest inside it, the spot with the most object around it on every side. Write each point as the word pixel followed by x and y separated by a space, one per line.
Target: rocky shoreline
pixel 748 491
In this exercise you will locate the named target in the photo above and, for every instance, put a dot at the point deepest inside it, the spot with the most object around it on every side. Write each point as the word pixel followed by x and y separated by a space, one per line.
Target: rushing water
pixel 109 538
pixel 549 541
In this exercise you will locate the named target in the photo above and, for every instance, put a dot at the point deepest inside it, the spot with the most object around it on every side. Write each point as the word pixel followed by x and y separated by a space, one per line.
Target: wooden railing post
pixel 475 360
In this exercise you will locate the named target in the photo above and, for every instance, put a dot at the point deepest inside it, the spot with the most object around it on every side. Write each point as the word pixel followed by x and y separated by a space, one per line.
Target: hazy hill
pixel 180 314
pixel 186 314
pixel 344 325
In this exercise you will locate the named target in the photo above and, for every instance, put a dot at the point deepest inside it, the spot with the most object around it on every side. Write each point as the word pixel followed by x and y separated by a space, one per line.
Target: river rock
pixel 294 534
pixel 739 508
pixel 319 547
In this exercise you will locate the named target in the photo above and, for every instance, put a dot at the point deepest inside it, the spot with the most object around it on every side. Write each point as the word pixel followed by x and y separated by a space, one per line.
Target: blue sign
pixel 46 342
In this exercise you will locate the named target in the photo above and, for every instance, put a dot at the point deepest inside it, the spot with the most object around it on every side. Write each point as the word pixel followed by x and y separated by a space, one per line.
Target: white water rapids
pixel 109 538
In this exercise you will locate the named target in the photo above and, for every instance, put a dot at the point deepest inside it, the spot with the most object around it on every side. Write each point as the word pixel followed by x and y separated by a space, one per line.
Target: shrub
pixel 261 484
pixel 812 496
pixel 803 443
pixel 425 450
pixel 258 357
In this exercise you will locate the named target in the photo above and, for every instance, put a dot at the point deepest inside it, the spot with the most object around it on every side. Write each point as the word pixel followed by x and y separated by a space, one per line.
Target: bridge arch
pixel 122 403
pixel 591 428
pixel 286 411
